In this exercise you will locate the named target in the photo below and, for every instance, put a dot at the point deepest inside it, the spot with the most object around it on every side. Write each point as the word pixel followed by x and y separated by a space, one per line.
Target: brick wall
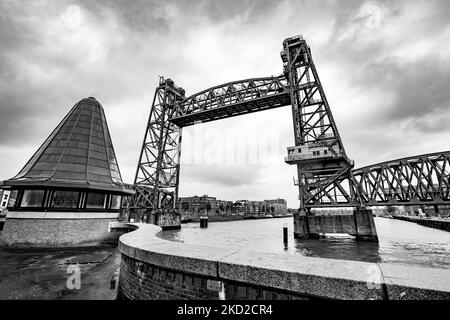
pixel 56 232
pixel 234 291
pixel 141 281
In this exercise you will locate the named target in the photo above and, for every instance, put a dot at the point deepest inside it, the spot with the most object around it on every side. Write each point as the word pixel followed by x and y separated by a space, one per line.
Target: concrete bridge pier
pixel 301 227
pixel 359 223
pixel 437 213
pixel 364 224
pixel 167 219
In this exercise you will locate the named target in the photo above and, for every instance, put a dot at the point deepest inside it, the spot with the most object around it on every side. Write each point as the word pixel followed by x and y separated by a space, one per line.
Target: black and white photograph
pixel 226 156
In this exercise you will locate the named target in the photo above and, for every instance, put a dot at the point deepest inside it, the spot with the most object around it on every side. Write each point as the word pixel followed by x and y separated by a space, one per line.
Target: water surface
pixel 400 242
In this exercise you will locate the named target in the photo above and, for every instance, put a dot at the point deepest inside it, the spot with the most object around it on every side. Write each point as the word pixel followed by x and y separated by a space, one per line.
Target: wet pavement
pixel 59 274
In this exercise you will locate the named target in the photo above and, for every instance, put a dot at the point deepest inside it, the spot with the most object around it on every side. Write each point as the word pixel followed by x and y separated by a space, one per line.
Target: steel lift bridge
pixel 325 175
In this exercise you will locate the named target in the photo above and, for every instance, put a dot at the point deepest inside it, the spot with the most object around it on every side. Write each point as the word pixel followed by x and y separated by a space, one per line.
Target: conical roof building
pixel 70 192
pixel 78 154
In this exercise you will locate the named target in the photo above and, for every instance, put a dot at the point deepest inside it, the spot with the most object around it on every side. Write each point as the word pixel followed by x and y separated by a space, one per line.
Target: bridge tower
pixel 157 174
pixel 318 152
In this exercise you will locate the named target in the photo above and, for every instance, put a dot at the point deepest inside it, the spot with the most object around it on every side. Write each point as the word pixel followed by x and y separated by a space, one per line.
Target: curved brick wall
pixel 58 229
pixel 153 268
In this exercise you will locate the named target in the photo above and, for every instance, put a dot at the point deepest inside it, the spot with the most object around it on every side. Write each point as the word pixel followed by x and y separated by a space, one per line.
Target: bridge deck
pixel 236 109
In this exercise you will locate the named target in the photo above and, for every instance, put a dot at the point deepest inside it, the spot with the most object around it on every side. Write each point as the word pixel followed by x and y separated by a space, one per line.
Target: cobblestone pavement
pixel 51 274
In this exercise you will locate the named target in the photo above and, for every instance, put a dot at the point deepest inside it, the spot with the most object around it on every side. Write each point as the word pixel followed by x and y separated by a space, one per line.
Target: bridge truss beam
pixel 157 174
pixel 232 99
pixel 417 180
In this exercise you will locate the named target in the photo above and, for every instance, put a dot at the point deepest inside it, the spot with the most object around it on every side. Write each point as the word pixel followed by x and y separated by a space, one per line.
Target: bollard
pixel 285 235
pixel 204 222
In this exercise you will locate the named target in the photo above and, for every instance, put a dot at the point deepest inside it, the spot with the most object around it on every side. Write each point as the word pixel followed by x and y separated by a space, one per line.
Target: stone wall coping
pixel 319 277
pixel 61 215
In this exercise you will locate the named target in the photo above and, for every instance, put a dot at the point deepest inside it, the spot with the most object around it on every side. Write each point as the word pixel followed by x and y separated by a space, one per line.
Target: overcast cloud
pixel 384 65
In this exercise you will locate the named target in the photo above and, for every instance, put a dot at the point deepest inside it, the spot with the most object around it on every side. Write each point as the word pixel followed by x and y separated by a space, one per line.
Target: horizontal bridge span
pixel 416 180
pixel 377 166
pixel 232 99
pixel 422 179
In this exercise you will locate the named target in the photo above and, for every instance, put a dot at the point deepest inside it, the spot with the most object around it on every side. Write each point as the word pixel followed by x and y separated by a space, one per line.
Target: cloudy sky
pixel 384 65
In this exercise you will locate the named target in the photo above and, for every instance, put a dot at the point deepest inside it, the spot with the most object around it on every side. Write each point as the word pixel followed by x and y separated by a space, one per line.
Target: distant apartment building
pixel 266 207
pixel 196 206
pixel 225 208
pixel 427 210
pixel 239 207
pixel 251 208
pixel 277 206
pixel 204 205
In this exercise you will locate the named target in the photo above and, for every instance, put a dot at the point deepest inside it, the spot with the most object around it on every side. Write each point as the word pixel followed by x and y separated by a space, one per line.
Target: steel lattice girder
pixel 232 99
pixel 145 197
pixel 417 180
pixel 312 116
pixel 157 174
pixel 314 125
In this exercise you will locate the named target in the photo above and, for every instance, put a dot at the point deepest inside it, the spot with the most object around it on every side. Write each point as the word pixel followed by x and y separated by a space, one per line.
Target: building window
pixel 65 199
pixel 96 200
pixel 32 198
pixel 12 198
pixel 115 202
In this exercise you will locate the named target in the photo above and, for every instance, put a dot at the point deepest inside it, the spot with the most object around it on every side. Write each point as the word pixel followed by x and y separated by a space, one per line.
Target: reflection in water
pixel 400 241
pixel 339 248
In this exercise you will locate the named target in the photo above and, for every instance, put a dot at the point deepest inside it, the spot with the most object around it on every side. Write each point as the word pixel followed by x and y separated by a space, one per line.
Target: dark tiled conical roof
pixel 77 154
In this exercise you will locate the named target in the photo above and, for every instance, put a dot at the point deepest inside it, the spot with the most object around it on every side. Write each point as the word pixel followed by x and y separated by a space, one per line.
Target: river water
pixel 400 242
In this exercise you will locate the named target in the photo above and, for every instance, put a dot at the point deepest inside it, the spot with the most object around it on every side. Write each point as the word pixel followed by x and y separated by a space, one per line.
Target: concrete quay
pixel 436 223
pixel 153 268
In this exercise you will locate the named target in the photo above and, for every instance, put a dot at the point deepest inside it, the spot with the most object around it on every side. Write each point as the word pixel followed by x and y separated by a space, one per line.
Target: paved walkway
pixel 45 273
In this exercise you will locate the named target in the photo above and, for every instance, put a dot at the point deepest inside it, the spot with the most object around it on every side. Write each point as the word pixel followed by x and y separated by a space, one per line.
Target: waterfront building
pixel 436 210
pixel 71 189
pixel 196 206
pixel 253 208
pixel 429 211
pixel 225 208
pixel 238 208
pixel 277 206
